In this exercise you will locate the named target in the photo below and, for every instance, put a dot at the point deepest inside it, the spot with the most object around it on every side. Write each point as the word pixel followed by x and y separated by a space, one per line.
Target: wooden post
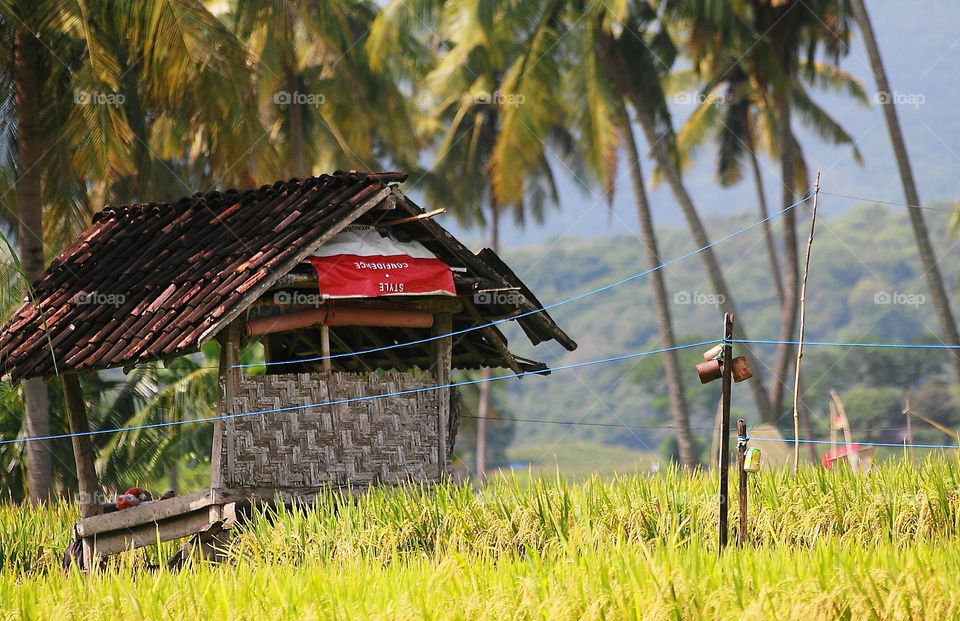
pixel 83 453
pixel 741 457
pixel 727 368
pixel 229 379
pixel 803 314
pixel 325 348
pixel 442 362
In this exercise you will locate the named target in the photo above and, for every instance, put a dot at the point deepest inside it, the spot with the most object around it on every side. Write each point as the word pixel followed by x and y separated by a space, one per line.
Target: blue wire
pixel 539 310
pixel 833 344
pixel 353 399
pixel 893 444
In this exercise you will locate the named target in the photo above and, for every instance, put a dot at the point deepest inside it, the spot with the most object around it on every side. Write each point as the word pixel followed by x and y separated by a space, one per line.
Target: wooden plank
pixel 146 513
pixel 495 337
pixel 105 544
pixel 207 542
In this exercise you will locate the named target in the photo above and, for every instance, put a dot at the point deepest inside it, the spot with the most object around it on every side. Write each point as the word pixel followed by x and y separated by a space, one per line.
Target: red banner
pixel 360 262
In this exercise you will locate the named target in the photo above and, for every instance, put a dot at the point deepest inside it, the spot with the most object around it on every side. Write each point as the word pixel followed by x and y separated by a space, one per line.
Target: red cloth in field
pixel 830 457
pixel 361 263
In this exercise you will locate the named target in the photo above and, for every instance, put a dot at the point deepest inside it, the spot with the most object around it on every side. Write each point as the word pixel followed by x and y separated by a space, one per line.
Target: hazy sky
pixel 922 54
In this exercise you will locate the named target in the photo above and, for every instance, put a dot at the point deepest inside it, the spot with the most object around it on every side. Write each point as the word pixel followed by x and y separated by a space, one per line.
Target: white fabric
pixel 364 240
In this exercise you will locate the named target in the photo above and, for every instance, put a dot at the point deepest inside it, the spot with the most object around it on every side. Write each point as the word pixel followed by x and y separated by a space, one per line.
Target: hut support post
pixel 442 362
pixel 223 437
pixel 83 453
pixel 325 348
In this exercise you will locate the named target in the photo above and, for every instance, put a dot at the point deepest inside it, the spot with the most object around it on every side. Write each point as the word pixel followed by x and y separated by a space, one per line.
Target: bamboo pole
pixel 325 348
pixel 803 309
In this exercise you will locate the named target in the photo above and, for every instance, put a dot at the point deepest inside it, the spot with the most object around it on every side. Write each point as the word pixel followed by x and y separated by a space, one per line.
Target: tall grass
pixel 826 545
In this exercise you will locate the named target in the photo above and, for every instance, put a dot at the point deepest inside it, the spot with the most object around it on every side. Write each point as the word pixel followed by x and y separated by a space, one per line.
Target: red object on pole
pixel 829 458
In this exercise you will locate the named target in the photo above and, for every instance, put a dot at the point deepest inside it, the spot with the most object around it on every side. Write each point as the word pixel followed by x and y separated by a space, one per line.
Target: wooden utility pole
pixel 83 453
pixel 803 309
pixel 727 379
pixel 742 474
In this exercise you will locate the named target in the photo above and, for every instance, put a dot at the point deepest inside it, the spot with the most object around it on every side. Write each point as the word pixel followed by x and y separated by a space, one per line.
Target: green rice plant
pixel 824 544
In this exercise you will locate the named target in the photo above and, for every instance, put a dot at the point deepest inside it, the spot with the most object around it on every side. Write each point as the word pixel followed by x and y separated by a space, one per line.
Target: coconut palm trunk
pixel 483 404
pixel 644 108
pixel 30 240
pixel 701 239
pixel 791 276
pixel 764 214
pixel 671 363
pixel 928 258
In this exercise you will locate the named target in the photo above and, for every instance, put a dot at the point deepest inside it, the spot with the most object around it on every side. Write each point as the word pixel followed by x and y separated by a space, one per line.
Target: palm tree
pixel 774 42
pixel 604 126
pixel 640 53
pixel 101 96
pixel 29 148
pixel 319 99
pixel 928 258
pixel 489 74
pixel 741 119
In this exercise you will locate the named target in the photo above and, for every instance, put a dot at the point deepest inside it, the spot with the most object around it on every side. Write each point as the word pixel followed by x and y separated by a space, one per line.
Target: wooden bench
pixel 203 515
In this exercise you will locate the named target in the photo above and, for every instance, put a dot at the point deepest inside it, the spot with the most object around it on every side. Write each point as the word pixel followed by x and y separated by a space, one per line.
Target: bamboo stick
pixel 803 308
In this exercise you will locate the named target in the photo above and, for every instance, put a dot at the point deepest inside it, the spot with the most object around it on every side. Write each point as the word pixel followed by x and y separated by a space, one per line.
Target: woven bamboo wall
pixel 388 440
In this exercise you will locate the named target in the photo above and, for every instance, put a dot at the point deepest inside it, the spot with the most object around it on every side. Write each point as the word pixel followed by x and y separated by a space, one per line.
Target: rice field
pixel 824 545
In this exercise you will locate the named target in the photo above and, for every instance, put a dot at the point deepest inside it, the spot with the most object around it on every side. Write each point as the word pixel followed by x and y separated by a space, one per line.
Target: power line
pixel 581 423
pixel 842 344
pixel 876 200
pixel 353 399
pixel 838 443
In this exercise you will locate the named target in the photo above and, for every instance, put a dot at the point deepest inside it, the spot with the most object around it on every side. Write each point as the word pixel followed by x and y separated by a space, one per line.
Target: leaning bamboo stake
pixel 803 300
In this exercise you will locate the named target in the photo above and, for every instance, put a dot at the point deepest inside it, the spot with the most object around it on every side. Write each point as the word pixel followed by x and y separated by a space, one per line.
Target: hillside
pixel 861 259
